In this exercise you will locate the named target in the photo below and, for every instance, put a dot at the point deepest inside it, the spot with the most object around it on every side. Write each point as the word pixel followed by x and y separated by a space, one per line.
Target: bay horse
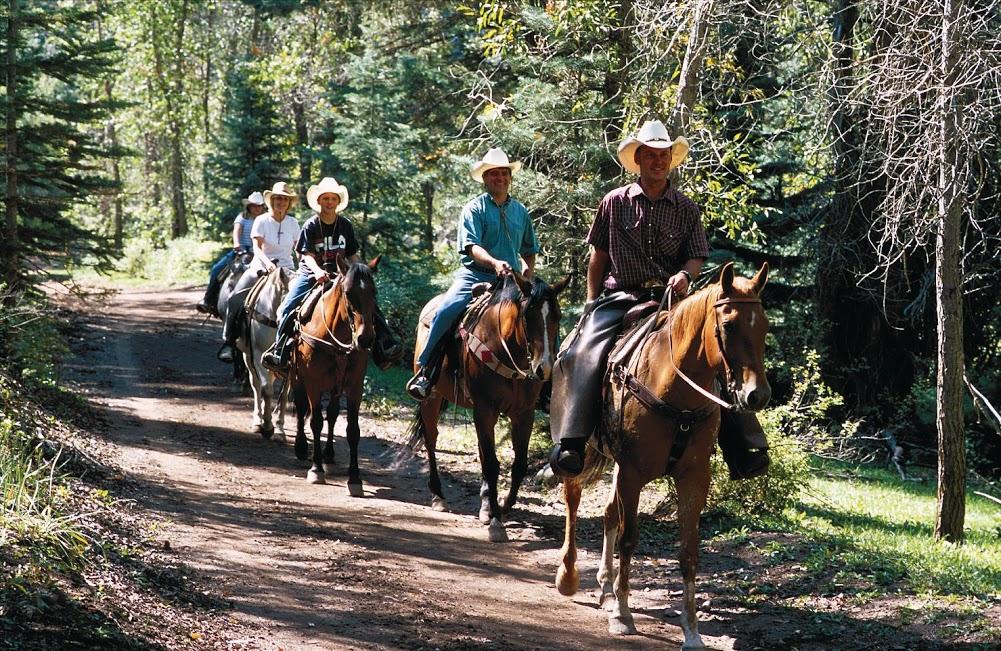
pixel 506 357
pixel 655 422
pixel 262 328
pixel 332 357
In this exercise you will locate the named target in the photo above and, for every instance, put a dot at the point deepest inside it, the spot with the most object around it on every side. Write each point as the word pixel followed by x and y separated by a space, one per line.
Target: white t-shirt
pixel 279 240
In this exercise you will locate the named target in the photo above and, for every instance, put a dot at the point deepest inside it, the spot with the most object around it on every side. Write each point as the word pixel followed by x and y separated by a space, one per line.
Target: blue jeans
pixel 452 306
pixel 301 283
pixel 220 265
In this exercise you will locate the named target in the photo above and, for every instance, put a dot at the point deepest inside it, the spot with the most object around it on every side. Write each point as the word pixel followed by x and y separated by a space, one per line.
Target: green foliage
pixel 183 260
pixel 57 115
pixel 31 346
pixel 250 152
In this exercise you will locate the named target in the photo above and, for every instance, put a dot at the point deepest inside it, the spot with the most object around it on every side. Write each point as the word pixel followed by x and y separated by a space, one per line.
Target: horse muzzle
pixel 754 396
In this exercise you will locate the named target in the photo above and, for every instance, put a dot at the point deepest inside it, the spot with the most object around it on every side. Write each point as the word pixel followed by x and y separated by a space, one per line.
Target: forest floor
pixel 222 544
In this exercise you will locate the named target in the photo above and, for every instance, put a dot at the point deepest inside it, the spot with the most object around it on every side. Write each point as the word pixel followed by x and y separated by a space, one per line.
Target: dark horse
pixel 231 276
pixel 331 357
pixel 505 358
pixel 655 424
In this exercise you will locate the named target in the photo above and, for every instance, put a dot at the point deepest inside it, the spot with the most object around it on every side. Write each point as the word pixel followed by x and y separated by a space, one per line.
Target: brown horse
pixel 331 357
pixel 656 424
pixel 507 355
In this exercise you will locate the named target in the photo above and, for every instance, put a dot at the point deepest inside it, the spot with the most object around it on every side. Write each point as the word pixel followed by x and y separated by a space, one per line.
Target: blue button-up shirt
pixel 504 231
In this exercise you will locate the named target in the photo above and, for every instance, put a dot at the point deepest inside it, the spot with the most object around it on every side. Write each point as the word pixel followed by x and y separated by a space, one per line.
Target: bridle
pixel 488 357
pixel 333 342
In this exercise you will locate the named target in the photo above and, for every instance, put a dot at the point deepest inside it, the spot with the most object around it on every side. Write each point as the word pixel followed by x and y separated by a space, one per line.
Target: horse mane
pixel 693 307
pixel 506 289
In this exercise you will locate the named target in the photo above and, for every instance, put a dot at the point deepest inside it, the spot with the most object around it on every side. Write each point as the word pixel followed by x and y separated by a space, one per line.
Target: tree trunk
pixel 9 247
pixel 302 144
pixel 615 81
pixel 951 508
pixel 428 190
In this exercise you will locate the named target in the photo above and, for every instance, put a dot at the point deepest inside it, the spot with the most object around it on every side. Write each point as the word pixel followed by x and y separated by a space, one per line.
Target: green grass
pixel 867 526
pixel 183 261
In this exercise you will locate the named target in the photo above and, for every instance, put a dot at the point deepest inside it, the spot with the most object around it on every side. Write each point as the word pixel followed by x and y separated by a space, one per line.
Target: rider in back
pixel 325 235
pixel 494 230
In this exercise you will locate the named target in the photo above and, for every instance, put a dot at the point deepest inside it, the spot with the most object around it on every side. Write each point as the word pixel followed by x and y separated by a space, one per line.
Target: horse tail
pixel 596 464
pixel 416 430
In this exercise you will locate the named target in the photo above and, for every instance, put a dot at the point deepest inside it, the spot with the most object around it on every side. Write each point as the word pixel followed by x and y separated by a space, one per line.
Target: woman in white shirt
pixel 274 234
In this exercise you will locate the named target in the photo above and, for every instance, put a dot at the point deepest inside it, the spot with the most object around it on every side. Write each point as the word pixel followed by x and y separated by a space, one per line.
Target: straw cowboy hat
pixel 327 184
pixel 282 190
pixel 255 198
pixel 654 134
pixel 493 159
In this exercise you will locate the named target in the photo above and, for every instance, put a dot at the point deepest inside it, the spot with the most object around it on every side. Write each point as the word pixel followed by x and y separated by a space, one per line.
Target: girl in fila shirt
pixel 324 236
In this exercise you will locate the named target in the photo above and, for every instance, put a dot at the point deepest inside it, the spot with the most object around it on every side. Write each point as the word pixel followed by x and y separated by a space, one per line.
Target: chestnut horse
pixel 656 424
pixel 331 357
pixel 506 356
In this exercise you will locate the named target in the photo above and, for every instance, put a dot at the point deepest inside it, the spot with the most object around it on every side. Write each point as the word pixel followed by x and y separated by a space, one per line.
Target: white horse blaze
pixel 545 333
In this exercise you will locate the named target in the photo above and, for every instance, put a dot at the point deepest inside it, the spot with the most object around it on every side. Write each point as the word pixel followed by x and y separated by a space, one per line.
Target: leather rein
pixel 488 357
pixel 338 346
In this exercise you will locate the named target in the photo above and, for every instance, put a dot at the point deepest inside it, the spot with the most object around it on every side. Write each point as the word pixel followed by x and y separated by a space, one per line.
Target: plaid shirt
pixel 646 239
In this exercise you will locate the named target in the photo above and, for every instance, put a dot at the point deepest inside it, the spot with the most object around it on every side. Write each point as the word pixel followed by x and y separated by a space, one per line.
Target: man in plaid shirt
pixel 645 233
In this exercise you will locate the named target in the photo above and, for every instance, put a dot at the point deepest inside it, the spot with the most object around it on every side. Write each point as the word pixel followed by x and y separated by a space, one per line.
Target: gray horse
pixel 262 328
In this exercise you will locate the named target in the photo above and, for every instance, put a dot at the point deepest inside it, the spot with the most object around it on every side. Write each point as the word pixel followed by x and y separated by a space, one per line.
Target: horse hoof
pixel 485 516
pixel 355 489
pixel 439 504
pixel 497 532
pixel 567 581
pixel 608 602
pixel 313 477
pixel 266 432
pixel 621 625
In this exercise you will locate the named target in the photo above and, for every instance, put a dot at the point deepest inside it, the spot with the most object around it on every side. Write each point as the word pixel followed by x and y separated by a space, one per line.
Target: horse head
pixel 739 332
pixel 358 287
pixel 529 313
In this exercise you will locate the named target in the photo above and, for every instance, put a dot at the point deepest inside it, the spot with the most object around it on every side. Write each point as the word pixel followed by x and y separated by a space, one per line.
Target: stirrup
pixel 419 387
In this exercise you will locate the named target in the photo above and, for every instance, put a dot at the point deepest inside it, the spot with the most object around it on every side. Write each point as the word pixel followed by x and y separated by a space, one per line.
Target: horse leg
pixel 257 387
pixel 315 397
pixel 353 433
pixel 278 414
pixel 627 489
pixel 485 419
pixel 521 432
pixel 333 409
pixel 692 492
pixel 606 568
pixel 567 576
pixel 301 405
pixel 429 412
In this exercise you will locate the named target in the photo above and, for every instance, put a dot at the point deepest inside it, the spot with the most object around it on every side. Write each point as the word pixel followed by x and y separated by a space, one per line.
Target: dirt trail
pixel 308 567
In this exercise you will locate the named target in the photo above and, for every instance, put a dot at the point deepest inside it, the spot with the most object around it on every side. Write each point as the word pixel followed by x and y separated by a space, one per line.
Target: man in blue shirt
pixel 495 236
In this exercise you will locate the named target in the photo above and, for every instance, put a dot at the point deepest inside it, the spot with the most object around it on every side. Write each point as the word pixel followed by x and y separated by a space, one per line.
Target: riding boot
pixel 211 297
pixel 545 396
pixel 276 358
pixel 743 443
pixel 567 458
pixel 387 349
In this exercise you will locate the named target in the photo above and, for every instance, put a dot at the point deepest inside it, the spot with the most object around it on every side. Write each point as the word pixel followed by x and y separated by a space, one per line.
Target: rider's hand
pixel 270 266
pixel 679 283
pixel 321 277
pixel 501 268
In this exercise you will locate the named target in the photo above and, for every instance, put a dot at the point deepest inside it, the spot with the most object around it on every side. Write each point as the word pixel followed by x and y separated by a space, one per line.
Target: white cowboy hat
pixel 255 198
pixel 281 189
pixel 654 134
pixel 493 159
pixel 327 184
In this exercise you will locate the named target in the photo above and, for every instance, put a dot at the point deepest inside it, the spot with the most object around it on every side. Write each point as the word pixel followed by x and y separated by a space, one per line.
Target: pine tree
pixel 52 155
pixel 250 153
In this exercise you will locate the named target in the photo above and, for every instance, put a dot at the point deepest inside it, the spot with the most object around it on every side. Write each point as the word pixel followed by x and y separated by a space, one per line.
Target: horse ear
pixel 726 277
pixel 524 284
pixel 374 263
pixel 342 264
pixel 760 278
pixel 560 285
